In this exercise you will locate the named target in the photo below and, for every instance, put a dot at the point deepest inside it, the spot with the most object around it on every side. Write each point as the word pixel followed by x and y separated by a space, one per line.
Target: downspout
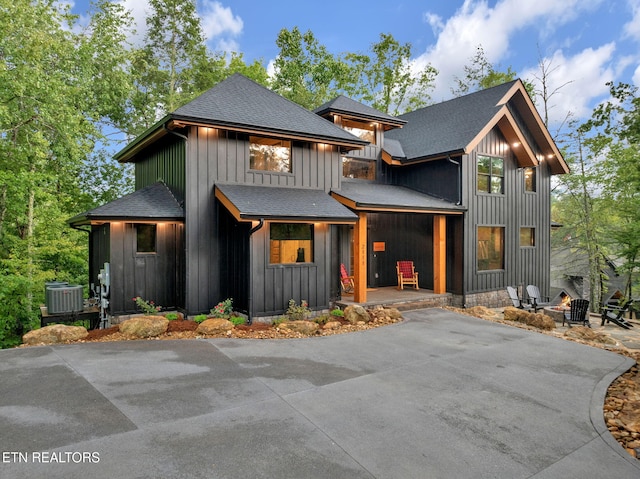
pixel 250 294
pixel 458 203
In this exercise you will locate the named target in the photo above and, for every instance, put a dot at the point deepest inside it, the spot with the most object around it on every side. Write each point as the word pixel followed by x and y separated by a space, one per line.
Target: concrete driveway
pixel 437 396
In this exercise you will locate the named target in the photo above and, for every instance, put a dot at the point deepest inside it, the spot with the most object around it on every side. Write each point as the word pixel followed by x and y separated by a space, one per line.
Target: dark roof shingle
pixel 342 104
pixel 153 202
pixel 269 202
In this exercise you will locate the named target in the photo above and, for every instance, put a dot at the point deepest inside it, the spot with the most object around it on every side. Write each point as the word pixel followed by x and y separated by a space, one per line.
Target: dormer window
pixel 361 129
pixel 269 154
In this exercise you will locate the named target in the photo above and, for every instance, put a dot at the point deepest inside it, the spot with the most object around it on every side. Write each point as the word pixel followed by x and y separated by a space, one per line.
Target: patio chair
pixel 615 314
pixel 537 300
pixel 515 299
pixel 579 313
pixel 346 281
pixel 406 274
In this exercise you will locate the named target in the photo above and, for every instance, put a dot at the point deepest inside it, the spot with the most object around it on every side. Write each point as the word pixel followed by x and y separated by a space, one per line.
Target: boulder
pixel 214 326
pixel 332 325
pixel 300 326
pixel 356 313
pixel 56 333
pixel 144 327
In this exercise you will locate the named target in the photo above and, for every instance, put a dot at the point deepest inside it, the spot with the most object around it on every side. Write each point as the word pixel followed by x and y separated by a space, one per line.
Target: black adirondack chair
pixel 579 313
pixel 615 314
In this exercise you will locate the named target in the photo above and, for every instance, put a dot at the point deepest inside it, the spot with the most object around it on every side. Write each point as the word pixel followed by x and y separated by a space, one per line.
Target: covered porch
pixel 392 297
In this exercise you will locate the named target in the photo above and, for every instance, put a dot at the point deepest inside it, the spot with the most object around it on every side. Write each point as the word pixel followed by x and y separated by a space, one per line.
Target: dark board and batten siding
pixel 165 162
pixel 137 274
pixel 511 210
pixel 216 155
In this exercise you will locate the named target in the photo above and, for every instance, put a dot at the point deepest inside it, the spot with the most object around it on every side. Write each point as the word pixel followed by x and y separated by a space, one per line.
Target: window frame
pixel 373 165
pixel 138 227
pixel 488 254
pixel 354 126
pixel 532 230
pixel 310 239
pixel 490 175
pixel 266 141
pixel 534 181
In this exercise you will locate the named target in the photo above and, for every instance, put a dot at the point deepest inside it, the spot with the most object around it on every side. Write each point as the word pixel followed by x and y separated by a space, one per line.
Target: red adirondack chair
pixel 406 274
pixel 346 281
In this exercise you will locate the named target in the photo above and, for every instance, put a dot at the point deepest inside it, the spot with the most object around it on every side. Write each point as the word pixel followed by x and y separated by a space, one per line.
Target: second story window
pixel 269 154
pixel 490 174
pixel 530 180
pixel 361 129
pixel 360 169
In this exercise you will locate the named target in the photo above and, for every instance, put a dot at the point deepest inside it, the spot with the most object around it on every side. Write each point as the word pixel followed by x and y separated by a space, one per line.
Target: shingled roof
pixel 238 103
pixel 248 202
pixel 154 202
pixel 346 106
pixel 372 196
pixel 450 126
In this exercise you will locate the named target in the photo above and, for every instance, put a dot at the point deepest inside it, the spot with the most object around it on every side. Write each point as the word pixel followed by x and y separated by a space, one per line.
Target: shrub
pixel 171 316
pixel 147 307
pixel 337 312
pixel 223 309
pixel 296 313
pixel 200 318
pixel 237 320
pixel 322 319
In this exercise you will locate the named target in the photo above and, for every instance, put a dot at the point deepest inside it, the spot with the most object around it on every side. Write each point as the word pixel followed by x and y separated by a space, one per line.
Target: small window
pixel 490 174
pixel 269 154
pixel 490 248
pixel 364 131
pixel 530 180
pixel 145 238
pixel 360 169
pixel 527 237
pixel 291 243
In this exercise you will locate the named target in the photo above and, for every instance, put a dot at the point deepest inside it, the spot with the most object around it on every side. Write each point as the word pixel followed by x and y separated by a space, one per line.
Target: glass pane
pixel 484 164
pixel 361 169
pixel 530 179
pixel 490 248
pixel 483 183
pixel 269 154
pixel 497 167
pixel 362 130
pixel 496 184
pixel 145 238
pixel 291 243
pixel 527 237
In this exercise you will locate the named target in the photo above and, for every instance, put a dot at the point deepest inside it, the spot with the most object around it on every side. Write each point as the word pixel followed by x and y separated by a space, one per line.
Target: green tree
pixel 305 71
pixel 387 80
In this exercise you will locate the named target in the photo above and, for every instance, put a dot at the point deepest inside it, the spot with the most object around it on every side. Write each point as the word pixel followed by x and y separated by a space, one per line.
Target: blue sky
pixel 585 43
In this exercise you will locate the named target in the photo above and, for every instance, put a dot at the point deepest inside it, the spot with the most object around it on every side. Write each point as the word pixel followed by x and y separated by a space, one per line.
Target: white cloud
pixel 476 23
pixel 632 28
pixel 577 81
pixel 218 20
pixel 636 76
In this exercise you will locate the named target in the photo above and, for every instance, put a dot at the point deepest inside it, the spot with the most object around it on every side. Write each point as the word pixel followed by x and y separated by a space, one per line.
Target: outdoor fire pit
pixel 556 312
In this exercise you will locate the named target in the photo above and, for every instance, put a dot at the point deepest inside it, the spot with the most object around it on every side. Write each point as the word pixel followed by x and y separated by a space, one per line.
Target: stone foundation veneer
pixel 489 299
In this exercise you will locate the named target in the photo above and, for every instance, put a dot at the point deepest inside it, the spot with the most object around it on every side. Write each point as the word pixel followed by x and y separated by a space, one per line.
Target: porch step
pixel 435 302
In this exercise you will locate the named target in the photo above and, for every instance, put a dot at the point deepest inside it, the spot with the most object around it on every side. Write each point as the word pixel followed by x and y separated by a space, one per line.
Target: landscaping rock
pixel 356 313
pixel 332 325
pixel 144 326
pixel 300 326
pixel 214 326
pixel 56 333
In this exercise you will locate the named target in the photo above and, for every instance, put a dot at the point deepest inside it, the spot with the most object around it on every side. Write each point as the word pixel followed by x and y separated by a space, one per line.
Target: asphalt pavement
pixel 439 395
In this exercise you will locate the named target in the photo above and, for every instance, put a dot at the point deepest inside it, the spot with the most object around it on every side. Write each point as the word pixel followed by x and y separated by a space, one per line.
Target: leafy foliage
pixel 223 309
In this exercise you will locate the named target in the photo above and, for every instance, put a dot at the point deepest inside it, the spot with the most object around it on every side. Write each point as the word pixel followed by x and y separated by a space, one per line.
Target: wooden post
pixel 439 254
pixel 360 258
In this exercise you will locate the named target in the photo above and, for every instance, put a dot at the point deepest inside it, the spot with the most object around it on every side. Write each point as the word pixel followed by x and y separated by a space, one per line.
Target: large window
pixel 530 180
pixel 361 169
pixel 269 154
pixel 490 174
pixel 291 243
pixel 145 238
pixel 365 131
pixel 490 248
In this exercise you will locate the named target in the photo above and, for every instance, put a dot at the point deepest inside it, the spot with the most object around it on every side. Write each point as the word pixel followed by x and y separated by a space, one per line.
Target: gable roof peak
pixel 348 107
